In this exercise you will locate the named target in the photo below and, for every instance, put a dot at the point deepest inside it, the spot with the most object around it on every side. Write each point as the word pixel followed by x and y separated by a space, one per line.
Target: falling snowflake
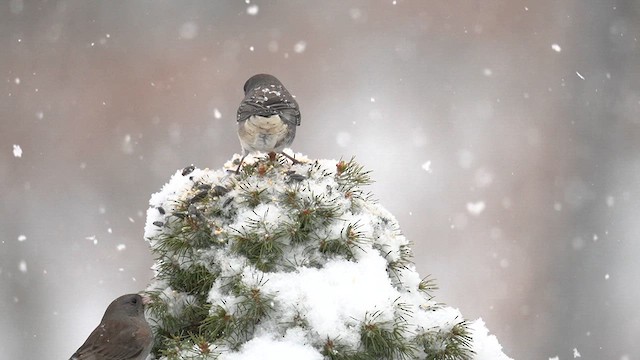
pixel 355 13
pixel 300 47
pixel 22 266
pixel 92 238
pixel 217 114
pixel 476 208
pixel 253 10
pixel 611 201
pixel 576 353
pixel 121 247
pixel 22 238
pixel 556 47
pixel 427 167
pixel 17 151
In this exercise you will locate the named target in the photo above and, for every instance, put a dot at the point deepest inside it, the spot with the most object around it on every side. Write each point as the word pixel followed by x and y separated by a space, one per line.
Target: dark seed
pixel 206 187
pixel 199 196
pixel 220 190
pixel 297 177
pixel 158 223
pixel 188 170
pixel 161 210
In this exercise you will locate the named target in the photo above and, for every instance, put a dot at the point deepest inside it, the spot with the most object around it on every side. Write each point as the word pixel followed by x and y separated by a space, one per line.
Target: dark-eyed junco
pixel 267 117
pixel 123 333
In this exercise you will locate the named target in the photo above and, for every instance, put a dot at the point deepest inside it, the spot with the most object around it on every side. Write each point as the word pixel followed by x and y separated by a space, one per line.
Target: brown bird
pixel 123 333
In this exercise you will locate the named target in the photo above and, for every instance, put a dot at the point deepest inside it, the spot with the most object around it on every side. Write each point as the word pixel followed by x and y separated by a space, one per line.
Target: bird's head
pixel 127 305
pixel 260 79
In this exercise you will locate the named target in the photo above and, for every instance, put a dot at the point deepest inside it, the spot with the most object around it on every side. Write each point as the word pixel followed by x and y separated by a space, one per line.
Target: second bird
pixel 267 117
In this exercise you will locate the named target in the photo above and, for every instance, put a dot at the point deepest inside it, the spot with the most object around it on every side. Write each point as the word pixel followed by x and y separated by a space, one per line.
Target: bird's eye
pixel 134 300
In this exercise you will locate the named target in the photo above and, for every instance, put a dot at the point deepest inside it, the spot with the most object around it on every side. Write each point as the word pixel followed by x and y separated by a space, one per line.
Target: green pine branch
pixel 315 226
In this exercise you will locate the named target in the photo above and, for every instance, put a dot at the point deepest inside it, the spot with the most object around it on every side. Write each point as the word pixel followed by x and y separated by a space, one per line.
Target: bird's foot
pixel 295 162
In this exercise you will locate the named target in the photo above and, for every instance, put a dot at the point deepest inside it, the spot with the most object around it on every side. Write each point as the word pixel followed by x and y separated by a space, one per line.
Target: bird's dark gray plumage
pixel 268 115
pixel 123 333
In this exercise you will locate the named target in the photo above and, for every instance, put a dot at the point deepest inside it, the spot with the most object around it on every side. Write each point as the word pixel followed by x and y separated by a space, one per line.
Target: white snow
pixel 291 347
pixel 427 167
pixel 93 239
pixel 355 13
pixel 300 47
pixel 22 266
pixel 486 346
pixel 17 151
pixel 576 353
pixel 335 297
pixel 610 201
pixel 253 10
pixel 476 208
pixel 127 144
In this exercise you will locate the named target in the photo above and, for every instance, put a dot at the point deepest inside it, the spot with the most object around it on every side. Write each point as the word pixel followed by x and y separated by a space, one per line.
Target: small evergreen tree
pixel 290 261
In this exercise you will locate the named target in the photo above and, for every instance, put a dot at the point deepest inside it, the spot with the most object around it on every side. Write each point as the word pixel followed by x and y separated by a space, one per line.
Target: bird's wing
pixel 268 101
pixel 114 340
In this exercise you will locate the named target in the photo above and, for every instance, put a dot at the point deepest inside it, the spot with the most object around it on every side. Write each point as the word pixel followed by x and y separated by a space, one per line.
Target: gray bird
pixel 267 117
pixel 123 333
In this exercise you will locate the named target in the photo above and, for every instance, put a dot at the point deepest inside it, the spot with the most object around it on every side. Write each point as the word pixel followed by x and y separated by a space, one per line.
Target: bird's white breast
pixel 259 133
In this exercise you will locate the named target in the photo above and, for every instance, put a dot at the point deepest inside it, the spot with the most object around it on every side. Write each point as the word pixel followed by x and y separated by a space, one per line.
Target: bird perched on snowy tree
pixel 123 333
pixel 267 117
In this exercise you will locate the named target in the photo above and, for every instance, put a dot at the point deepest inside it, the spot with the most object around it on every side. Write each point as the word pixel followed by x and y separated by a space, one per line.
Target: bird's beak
pixel 146 299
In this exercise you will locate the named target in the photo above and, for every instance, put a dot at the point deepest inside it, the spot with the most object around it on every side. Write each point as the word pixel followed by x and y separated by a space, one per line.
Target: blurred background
pixel 504 135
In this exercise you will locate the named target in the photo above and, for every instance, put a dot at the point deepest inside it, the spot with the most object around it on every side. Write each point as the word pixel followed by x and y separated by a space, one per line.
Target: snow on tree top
pixel 292 261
